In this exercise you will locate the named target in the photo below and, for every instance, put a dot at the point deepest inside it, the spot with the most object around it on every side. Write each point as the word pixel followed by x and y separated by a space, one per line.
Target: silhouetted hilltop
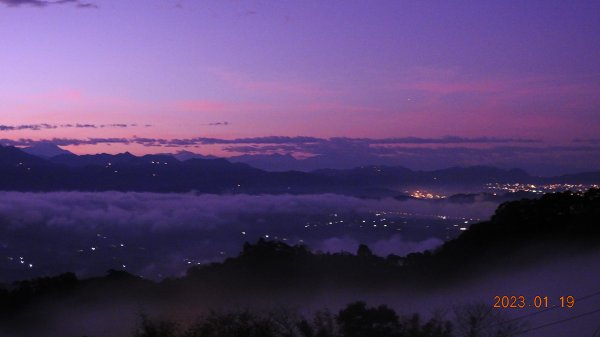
pixel 276 265
pixel 550 225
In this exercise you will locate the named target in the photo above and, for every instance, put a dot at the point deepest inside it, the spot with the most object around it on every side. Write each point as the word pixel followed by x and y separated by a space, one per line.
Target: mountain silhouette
pixel 20 171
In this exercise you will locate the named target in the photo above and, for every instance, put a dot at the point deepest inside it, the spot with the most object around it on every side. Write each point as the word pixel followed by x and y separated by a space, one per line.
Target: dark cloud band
pixel 45 126
pixel 224 123
pixel 45 3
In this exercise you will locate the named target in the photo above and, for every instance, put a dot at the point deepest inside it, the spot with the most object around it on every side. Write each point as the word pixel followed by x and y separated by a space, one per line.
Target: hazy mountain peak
pixel 45 150
pixel 185 155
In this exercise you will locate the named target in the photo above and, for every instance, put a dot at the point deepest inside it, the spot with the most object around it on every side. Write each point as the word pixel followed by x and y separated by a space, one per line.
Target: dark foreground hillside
pixel 524 234
pixel 551 225
pixel 354 320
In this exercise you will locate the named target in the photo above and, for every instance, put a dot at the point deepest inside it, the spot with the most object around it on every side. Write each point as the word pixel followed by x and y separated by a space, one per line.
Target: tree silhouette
pixel 156 328
pixel 364 251
pixel 356 320
pixel 480 320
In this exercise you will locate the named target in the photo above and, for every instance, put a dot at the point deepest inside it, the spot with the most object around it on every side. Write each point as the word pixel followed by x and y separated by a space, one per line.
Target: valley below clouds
pixel 162 235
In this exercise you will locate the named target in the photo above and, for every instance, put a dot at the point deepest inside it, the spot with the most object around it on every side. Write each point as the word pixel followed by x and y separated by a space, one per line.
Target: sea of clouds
pixel 159 235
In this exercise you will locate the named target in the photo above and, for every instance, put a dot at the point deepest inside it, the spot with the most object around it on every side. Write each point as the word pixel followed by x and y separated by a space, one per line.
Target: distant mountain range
pixel 49 168
pixel 426 160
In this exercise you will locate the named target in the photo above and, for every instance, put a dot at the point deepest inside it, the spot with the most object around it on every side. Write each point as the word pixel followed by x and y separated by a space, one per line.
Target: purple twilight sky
pixel 207 75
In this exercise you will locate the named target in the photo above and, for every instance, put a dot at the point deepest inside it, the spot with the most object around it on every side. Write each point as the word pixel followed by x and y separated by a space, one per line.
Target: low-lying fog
pixel 160 235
